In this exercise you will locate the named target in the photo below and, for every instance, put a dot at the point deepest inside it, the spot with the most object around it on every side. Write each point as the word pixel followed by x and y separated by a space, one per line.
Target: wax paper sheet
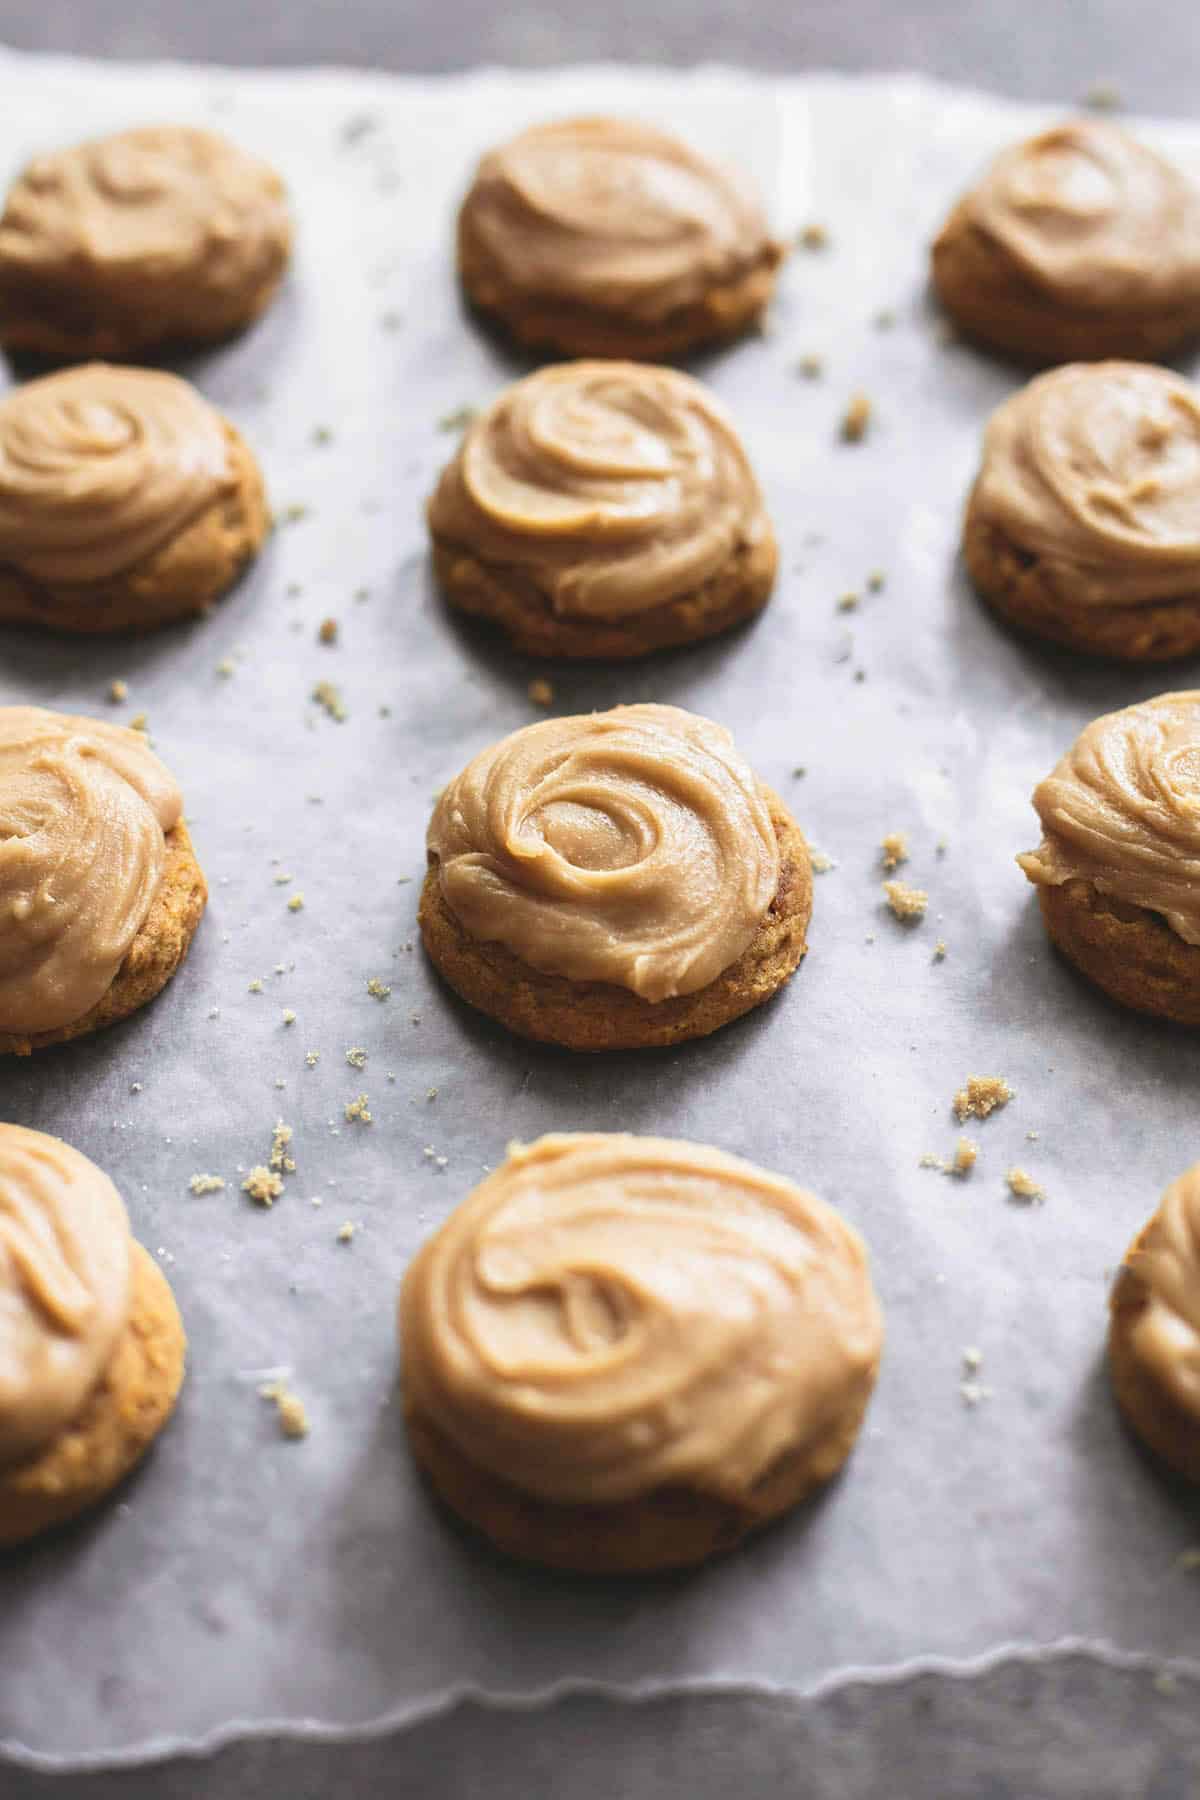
pixel 245 1582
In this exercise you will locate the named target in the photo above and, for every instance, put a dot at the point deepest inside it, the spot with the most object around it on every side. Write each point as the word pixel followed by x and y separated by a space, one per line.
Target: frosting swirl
pixel 84 807
pixel 1096 466
pixel 64 1286
pixel 615 215
pixel 1087 212
pixel 615 487
pixel 606 1315
pixel 100 466
pixel 1122 810
pixel 1163 1273
pixel 633 846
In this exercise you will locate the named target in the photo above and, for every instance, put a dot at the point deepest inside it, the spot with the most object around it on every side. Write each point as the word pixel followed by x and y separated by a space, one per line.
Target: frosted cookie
pixel 100 892
pixel 1154 1329
pixel 603 509
pixel 614 881
pixel 625 1354
pixel 161 235
pixel 1083 526
pixel 1118 868
pixel 603 237
pixel 91 1342
pixel 126 501
pixel 1078 243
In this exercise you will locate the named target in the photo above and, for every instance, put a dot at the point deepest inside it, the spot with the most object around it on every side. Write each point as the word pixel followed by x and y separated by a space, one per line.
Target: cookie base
pixel 994 303
pixel 193 569
pixel 124 1414
pixel 153 957
pixel 509 599
pixel 68 322
pixel 598 1015
pixel 1149 1410
pixel 1128 951
pixel 1033 594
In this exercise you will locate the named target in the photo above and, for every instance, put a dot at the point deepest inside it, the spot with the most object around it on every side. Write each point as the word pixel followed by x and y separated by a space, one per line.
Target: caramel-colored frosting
pixel 606 1315
pixel 64 1286
pixel 615 487
pixel 152 204
pixel 101 466
pixel 1122 810
pixel 1096 468
pixel 613 215
pixel 1093 216
pixel 84 807
pixel 1163 1272
pixel 632 846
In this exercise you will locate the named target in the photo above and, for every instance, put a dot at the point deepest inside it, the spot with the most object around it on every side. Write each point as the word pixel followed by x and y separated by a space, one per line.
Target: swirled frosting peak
pixel 1096 467
pixel 64 1286
pixel 612 214
pixel 606 1315
pixel 616 487
pixel 1094 216
pixel 1163 1272
pixel 1122 810
pixel 84 806
pixel 632 846
pixel 100 466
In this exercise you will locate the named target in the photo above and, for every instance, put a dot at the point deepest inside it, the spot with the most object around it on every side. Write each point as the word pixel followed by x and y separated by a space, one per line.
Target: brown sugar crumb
pixel 326 694
pixel 327 631
pixel 894 849
pixel 1023 1187
pixel 296 903
pixel 541 692
pixel 118 691
pixel 811 367
pixel 293 1419
pixel 856 419
pixel 263 1185
pixel 280 1140
pixel 981 1096
pixel 356 1056
pixel 357 1111
pixel 345 1232
pixel 965 1155
pixel 206 1184
pixel 813 237
pixel 847 602
pixel 139 722
pixel 821 863
pixel 378 990
pixel 907 903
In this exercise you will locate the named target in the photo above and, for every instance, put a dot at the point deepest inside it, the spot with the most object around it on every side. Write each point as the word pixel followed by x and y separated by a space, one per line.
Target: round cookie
pixel 617 881
pixel 625 1354
pixel 1116 869
pixel 165 234
pixel 126 501
pixel 1077 244
pixel 603 509
pixel 605 237
pixel 105 821
pixel 92 1347
pixel 1083 526
pixel 1154 1329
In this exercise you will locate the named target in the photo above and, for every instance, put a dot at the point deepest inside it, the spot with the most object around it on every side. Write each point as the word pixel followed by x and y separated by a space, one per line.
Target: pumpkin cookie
pixel 166 234
pixel 97 814
pixel 623 1354
pixel 617 881
pixel 126 501
pixel 1116 871
pixel 91 1343
pixel 1154 1333
pixel 1083 526
pixel 603 237
pixel 603 509
pixel 1080 243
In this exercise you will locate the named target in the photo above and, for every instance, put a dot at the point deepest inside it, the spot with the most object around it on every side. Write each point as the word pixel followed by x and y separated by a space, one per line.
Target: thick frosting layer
pixel 1093 216
pixel 1122 810
pixel 101 466
pixel 1164 1271
pixel 613 215
pixel 615 487
pixel 146 206
pixel 84 807
pixel 605 1315
pixel 1096 466
pixel 64 1286
pixel 632 846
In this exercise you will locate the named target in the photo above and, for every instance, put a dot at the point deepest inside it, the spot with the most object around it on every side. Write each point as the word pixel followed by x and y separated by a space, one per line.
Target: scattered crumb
pixel 281 878
pixel 799 772
pixel 894 849
pixel 326 695
pixel 345 1232
pixel 973 1392
pixel 289 1017
pixel 1023 1187
pixel 457 420
pixel 1103 96
pixel 432 1094
pixel 965 1155
pixel 322 435
pixel 280 1140
pixel 813 237
pixel 847 602
pixel 327 631
pixel 312 1058
pixel 981 1096
pixel 118 691
pixel 907 903
pixel 939 950
pixel 972 1359
pixel 378 990
pixel 263 1185
pixel 811 367
pixel 1032 1137
pixel 296 903
pixel 356 1056
pixel 139 722
pixel 856 419
pixel 541 692
pixel 293 1419
pixel 206 1184
pixel 821 864
pixel 357 1111
pixel 295 512
pixel 876 581
pixel 255 987
pixel 225 667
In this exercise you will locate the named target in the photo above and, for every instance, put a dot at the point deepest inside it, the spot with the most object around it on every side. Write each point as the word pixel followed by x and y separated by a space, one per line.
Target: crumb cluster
pixel 907 903
pixel 981 1096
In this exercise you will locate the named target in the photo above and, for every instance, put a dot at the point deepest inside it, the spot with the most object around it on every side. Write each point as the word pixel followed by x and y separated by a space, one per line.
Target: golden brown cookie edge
pixel 1127 951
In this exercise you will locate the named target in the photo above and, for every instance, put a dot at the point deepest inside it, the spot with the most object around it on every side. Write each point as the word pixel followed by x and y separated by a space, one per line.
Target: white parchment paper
pixel 243 1579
